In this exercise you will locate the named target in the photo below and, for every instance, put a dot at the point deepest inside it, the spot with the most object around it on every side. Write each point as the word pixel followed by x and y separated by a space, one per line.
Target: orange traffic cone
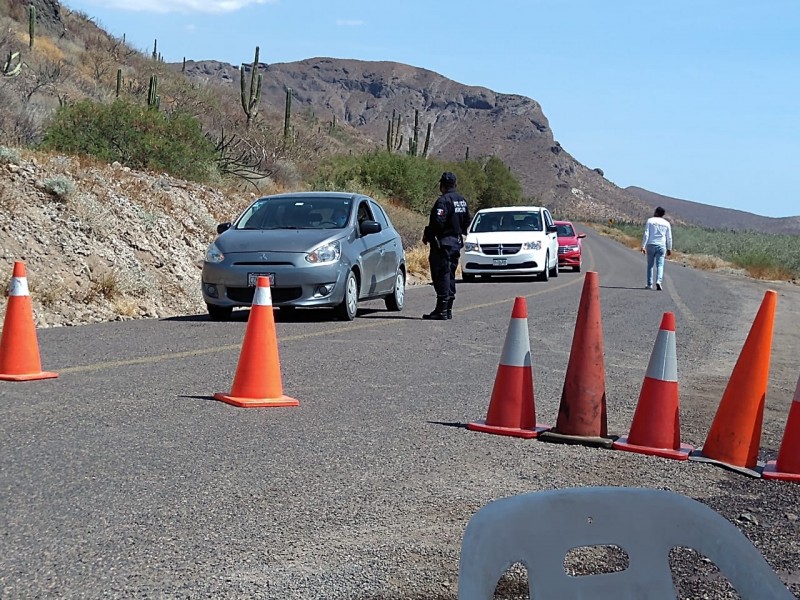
pixel 258 377
pixel 735 433
pixel 19 348
pixel 511 408
pixel 656 427
pixel 582 413
pixel 787 467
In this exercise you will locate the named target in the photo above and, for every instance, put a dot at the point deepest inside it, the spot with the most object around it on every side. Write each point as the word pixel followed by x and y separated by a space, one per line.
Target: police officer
pixel 448 222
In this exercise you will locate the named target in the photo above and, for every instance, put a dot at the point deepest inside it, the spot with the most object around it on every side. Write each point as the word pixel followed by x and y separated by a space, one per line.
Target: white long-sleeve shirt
pixel 657 231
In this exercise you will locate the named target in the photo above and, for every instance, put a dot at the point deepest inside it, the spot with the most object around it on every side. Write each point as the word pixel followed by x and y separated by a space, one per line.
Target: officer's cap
pixel 448 179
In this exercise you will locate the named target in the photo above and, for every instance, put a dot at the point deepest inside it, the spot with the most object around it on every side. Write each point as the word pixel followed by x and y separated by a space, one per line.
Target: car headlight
pixel 569 248
pixel 537 245
pixel 214 254
pixel 472 246
pixel 326 253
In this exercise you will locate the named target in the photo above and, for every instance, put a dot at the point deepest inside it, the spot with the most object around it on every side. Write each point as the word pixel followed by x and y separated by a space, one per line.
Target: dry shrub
pixel 770 272
pixel 45 50
pixel 9 201
pixel 126 307
pixel 417 265
pixel 50 294
pixel 705 262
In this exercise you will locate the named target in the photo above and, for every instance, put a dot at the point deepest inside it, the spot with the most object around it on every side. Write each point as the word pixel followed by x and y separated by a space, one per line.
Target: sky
pixel 693 99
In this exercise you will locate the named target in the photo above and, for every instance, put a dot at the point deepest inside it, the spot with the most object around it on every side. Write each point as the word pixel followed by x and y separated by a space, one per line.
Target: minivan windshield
pixel 298 212
pixel 507 221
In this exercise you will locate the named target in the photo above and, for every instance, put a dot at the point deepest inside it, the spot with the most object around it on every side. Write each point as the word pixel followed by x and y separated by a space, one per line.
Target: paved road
pixel 124 478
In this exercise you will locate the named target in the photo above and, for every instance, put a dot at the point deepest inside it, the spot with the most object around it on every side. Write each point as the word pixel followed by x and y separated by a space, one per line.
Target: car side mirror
pixel 368 227
pixel 223 227
pixel 581 235
pixel 552 228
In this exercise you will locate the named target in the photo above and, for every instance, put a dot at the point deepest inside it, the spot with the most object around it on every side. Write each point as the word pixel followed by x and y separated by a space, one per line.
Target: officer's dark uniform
pixel 448 222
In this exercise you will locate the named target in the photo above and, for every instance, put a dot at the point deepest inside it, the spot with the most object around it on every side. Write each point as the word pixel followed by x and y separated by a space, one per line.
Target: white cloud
pixel 183 6
pixel 349 23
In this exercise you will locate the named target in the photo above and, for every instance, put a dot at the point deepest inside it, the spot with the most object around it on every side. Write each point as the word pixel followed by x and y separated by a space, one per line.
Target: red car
pixel 569 246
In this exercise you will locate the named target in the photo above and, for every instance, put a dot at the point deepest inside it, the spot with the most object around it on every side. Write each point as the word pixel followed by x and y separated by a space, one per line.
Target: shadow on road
pixel 446 424
pixel 198 398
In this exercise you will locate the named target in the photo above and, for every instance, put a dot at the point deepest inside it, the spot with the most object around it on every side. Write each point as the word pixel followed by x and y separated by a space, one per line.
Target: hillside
pixel 715 217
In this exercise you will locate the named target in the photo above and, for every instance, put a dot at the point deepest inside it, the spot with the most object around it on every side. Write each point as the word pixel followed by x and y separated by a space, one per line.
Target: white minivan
pixel 514 240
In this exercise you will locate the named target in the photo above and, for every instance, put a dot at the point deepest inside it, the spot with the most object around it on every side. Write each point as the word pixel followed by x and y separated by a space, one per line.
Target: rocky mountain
pixel 463 119
pixel 715 217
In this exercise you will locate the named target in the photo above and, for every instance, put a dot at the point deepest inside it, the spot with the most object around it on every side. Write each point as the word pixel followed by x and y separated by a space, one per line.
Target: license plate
pixel 252 278
pixel 498 262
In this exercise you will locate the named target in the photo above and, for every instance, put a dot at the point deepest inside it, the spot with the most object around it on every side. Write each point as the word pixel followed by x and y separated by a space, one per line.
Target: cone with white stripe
pixel 511 408
pixel 257 382
pixel 656 427
pixel 19 348
pixel 787 467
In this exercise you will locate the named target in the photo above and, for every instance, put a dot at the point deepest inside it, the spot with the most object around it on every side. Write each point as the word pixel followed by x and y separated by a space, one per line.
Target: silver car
pixel 317 249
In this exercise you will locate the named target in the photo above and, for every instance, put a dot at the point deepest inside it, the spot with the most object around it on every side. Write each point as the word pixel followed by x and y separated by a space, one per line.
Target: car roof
pixel 337 195
pixel 563 223
pixel 510 208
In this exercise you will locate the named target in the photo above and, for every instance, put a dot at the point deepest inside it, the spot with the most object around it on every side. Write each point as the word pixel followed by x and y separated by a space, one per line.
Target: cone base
pixel 681 453
pixel 510 431
pixel 278 402
pixel 577 440
pixel 698 456
pixel 28 376
pixel 770 472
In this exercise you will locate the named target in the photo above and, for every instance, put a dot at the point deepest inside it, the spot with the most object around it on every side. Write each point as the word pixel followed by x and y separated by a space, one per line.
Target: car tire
pixel 347 310
pixel 219 313
pixel 577 268
pixel 545 274
pixel 397 298
pixel 486 277
pixel 555 271
pixel 467 277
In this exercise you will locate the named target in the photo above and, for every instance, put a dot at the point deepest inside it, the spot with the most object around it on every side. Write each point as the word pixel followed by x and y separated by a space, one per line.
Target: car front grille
pixel 279 294
pixel 500 249
pixel 531 264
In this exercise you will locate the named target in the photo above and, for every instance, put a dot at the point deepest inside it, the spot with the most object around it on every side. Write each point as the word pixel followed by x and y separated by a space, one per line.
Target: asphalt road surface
pixel 125 478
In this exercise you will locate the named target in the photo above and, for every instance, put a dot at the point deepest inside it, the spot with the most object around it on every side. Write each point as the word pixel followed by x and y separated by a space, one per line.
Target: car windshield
pixel 507 221
pixel 565 230
pixel 296 213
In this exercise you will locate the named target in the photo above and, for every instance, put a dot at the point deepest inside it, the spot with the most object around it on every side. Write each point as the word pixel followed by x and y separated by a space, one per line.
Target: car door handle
pixel 383 251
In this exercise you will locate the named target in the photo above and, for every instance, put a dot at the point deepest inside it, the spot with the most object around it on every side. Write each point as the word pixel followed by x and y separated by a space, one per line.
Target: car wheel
pixel 486 277
pixel 577 268
pixel 219 313
pixel 545 274
pixel 467 277
pixel 349 306
pixel 555 271
pixel 395 300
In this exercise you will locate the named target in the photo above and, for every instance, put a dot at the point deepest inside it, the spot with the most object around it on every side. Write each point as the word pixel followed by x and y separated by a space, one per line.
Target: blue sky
pixel 694 99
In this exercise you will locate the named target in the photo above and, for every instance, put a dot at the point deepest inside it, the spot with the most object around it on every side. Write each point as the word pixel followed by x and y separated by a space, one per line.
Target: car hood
pixel 505 237
pixel 275 240
pixel 568 241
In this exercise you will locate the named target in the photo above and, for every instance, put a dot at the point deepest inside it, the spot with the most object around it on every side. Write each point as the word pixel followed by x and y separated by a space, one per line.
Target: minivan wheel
pixel 349 306
pixel 219 313
pixel 397 298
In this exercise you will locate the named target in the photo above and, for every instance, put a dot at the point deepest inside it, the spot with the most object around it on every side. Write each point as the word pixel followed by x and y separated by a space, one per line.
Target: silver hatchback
pixel 318 249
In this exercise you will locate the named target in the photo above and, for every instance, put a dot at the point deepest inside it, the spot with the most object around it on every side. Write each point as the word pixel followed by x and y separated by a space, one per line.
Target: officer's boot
pixel 449 308
pixel 440 312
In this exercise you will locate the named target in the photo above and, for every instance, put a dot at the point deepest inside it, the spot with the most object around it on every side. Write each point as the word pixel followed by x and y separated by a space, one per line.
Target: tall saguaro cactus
pixel 31 25
pixel 287 114
pixel 251 97
pixel 119 81
pixel 153 99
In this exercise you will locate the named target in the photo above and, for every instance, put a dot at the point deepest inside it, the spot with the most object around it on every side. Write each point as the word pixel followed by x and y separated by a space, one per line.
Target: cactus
pixel 251 97
pixel 119 81
pixel 153 99
pixel 466 154
pixel 288 114
pixel 427 142
pixel 155 49
pixel 332 126
pixel 12 71
pixel 31 25
pixel 183 68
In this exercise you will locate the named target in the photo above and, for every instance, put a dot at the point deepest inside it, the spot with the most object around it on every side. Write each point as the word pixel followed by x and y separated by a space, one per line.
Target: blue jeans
pixel 655 257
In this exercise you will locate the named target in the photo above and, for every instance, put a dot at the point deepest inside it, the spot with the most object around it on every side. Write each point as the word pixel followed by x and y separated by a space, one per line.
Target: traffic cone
pixel 787 467
pixel 582 413
pixel 258 376
pixel 511 408
pixel 19 348
pixel 656 427
pixel 735 433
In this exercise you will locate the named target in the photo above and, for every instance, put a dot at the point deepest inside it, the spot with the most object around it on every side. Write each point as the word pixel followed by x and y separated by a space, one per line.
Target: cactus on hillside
pixel 31 25
pixel 119 81
pixel 153 99
pixel 155 49
pixel 251 97
pixel 8 69
pixel 287 114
